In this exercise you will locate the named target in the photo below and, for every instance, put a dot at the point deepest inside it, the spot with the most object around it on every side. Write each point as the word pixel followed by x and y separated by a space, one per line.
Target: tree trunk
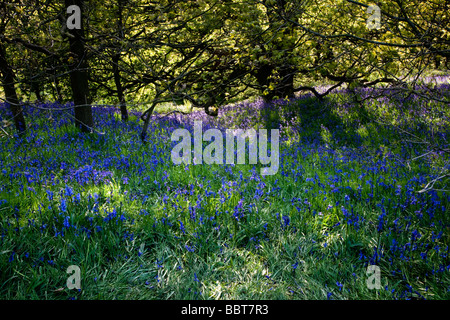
pixel 36 89
pixel 282 68
pixel 119 88
pixel 116 59
pixel 10 91
pixel 146 117
pixel 283 88
pixel 286 85
pixel 79 74
pixel 437 62
pixel 262 77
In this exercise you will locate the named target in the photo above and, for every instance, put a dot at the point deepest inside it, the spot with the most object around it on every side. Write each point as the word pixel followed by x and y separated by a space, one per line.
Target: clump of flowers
pixel 88 174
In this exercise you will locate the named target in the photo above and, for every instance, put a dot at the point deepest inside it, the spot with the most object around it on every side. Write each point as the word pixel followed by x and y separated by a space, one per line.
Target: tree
pixel 10 91
pixel 116 61
pixel 8 77
pixel 79 73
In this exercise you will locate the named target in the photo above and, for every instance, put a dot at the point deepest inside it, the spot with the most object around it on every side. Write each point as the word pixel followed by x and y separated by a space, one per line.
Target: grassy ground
pixel 140 227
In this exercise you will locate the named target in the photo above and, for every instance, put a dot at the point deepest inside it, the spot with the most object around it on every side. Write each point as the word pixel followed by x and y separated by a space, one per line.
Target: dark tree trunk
pixel 36 89
pixel 282 68
pixel 119 88
pixel 146 116
pixel 10 91
pixel 79 75
pixel 437 62
pixel 116 71
pixel 262 77
pixel 56 89
pixel 286 84
pixel 284 87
